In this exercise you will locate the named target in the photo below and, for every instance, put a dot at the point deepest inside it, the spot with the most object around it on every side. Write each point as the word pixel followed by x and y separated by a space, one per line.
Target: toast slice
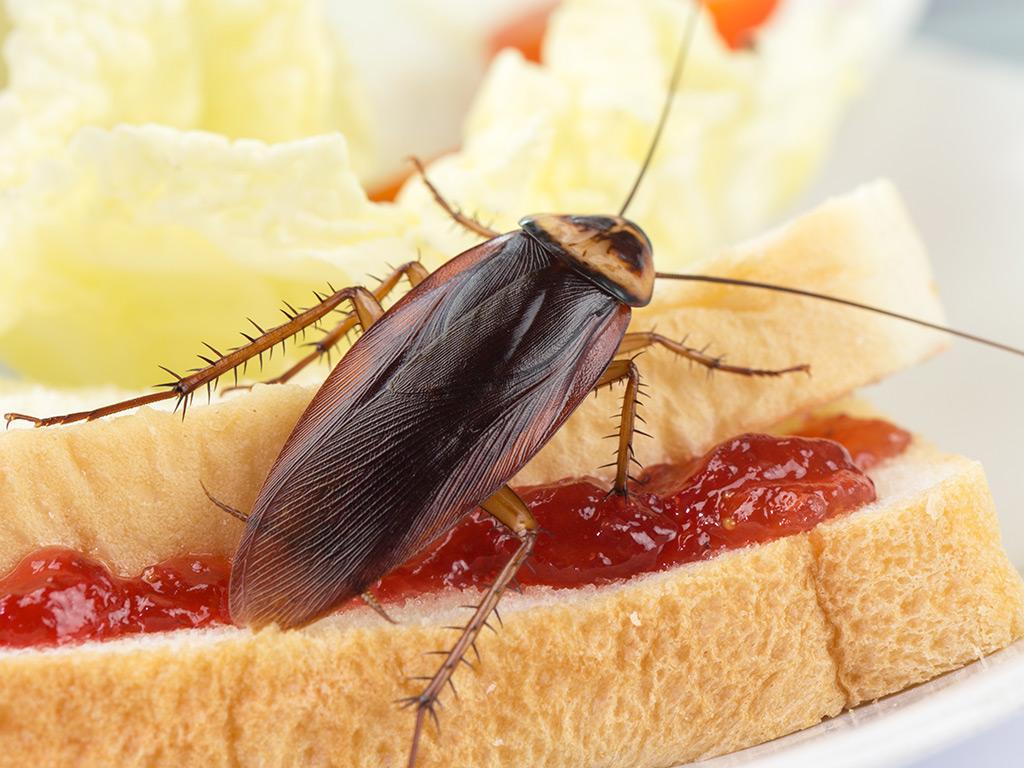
pixel 696 661
pixel 127 490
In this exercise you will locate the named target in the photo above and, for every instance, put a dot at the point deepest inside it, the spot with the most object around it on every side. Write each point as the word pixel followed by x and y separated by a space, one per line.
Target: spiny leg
pixel 618 370
pixel 415 272
pixel 235 513
pixel 505 506
pixel 634 342
pixel 626 369
pixel 371 600
pixel 466 221
pixel 367 310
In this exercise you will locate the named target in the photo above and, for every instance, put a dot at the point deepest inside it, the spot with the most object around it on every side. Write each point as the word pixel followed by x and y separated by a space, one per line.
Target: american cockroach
pixel 441 401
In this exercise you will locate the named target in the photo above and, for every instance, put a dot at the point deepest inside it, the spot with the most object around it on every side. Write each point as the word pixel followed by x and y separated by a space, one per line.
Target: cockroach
pixel 441 401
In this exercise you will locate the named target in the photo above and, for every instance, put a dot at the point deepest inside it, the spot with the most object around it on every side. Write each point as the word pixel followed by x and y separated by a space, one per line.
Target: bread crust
pixel 918 583
pixel 127 489
pixel 697 661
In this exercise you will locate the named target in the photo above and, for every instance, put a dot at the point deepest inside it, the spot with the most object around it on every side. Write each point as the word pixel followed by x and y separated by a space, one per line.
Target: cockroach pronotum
pixel 482 361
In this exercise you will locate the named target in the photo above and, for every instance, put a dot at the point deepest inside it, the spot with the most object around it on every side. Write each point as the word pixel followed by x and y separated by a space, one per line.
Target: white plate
pixel 902 728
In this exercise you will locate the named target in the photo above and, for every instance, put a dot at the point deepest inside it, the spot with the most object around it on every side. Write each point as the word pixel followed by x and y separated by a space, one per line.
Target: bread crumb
pixel 935 505
pixel 634 619
pixel 491 688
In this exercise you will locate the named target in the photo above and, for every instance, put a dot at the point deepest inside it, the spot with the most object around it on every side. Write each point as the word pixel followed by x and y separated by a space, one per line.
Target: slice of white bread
pixel 128 490
pixel 700 660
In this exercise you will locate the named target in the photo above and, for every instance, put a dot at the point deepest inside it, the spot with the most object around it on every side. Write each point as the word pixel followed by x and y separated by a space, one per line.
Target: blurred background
pixel 131 226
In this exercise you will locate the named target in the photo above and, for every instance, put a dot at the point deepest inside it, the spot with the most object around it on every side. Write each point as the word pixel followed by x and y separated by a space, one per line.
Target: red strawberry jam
pixel 869 441
pixel 57 596
pixel 751 488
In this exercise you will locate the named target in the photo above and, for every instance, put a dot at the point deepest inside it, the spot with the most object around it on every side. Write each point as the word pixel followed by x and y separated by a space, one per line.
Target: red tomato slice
pixel 736 20
pixel 525 32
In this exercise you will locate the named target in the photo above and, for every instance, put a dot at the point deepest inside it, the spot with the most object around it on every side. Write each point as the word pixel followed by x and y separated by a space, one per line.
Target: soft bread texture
pixel 665 668
pixel 127 489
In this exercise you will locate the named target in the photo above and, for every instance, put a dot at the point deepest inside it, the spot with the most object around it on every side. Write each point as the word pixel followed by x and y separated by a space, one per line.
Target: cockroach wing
pixel 436 406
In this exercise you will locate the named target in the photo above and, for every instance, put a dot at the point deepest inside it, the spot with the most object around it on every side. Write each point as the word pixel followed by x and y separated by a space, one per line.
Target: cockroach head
pixel 611 251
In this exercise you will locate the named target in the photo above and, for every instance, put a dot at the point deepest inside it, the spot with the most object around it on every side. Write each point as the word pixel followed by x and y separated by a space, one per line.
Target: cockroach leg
pixel 506 507
pixel 413 271
pixel 235 513
pixel 466 221
pixel 634 342
pixel 618 370
pixel 10 418
pixel 371 600
pixel 367 310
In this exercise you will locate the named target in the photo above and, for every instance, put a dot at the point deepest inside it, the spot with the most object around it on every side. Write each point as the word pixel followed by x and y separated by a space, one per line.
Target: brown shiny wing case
pixel 436 406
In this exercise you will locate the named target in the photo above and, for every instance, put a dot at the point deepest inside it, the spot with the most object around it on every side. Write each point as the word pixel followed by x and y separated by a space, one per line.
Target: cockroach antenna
pixel 677 72
pixel 674 80
pixel 735 282
pixel 673 84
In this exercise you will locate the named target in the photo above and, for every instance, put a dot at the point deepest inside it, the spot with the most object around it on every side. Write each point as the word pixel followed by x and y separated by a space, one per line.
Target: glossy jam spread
pixel 869 441
pixel 56 596
pixel 752 488
pixel 748 489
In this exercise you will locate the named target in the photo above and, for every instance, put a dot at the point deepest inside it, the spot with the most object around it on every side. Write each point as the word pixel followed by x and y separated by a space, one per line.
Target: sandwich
pixel 882 570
